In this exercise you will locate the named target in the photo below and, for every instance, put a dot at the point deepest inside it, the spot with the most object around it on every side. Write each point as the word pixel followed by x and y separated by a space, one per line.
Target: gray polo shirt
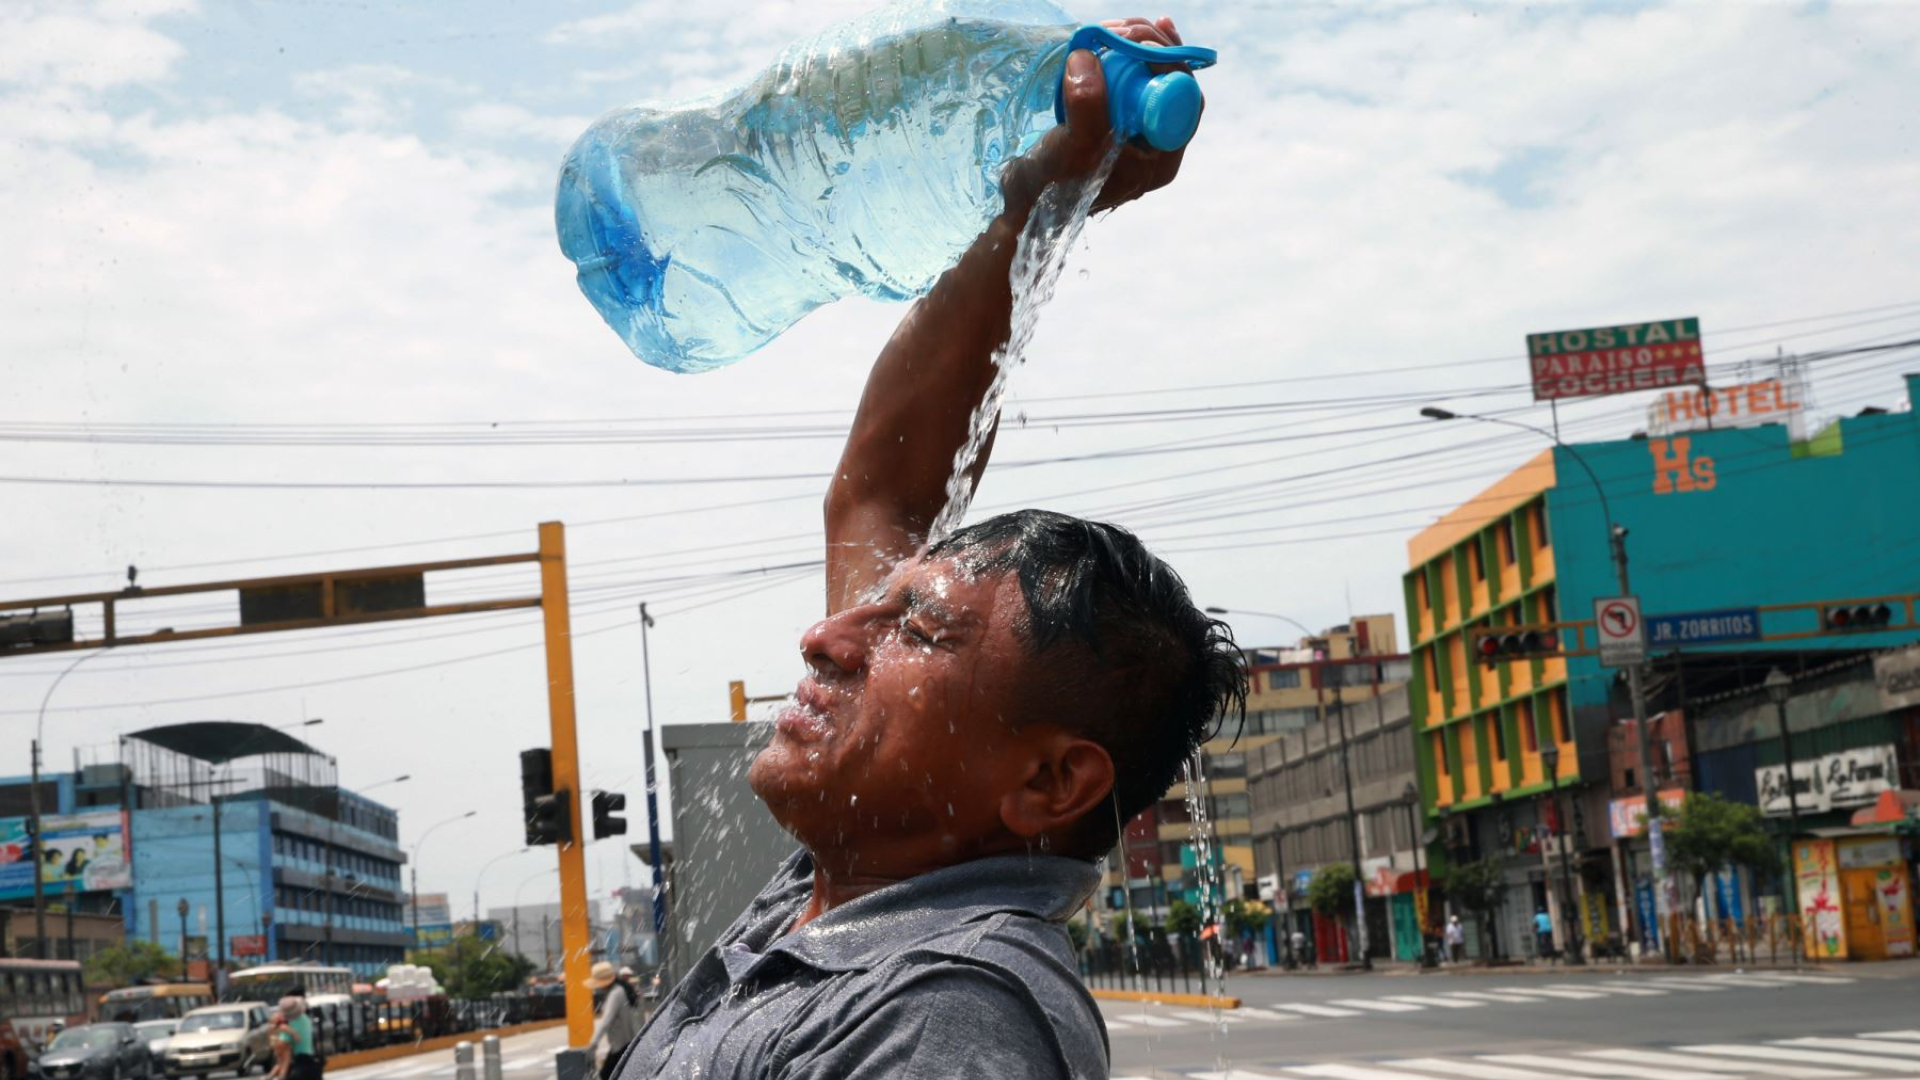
pixel 963 972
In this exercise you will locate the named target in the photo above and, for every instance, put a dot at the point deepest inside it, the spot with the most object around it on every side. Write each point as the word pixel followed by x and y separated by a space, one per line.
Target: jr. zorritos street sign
pixel 1616 359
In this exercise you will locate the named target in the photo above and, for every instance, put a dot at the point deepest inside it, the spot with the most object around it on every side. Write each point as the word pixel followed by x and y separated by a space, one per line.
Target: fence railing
pixel 1774 939
pixel 339 1028
pixel 1160 962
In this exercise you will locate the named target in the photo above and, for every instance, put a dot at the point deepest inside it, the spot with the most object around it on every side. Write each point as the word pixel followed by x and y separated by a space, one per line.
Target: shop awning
pixel 1898 807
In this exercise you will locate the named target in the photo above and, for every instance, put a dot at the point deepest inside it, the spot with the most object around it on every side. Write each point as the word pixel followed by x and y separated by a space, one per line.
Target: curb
pixel 425 1046
pixel 1151 997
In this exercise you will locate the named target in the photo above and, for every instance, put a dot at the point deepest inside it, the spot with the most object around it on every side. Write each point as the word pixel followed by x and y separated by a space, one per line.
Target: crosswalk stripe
pixel 1907 1034
pixel 521 1063
pixel 1694 982
pixel 1114 1021
pixel 1473 1070
pixel 1437 1002
pixel 1235 1074
pixel 1376 1004
pixel 1595 1068
pixel 417 1070
pixel 1488 995
pixel 1265 1014
pixel 1319 1010
pixel 1608 988
pixel 1864 1046
pixel 1810 980
pixel 1130 1078
pixel 1151 1020
pixel 1788 1053
pixel 1224 1016
pixel 1569 995
pixel 1353 1072
pixel 1690 1061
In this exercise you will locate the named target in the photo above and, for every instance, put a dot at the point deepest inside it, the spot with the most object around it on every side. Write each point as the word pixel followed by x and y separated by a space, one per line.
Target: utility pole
pixel 653 800
pixel 219 892
pixel 1353 826
pixel 1779 687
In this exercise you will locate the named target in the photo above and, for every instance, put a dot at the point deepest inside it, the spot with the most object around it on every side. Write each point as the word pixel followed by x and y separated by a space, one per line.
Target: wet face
pixel 906 732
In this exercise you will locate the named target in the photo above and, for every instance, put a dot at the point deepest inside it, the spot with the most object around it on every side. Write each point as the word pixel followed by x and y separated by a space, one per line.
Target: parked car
pixel 155 1034
pixel 217 1038
pixel 95 1052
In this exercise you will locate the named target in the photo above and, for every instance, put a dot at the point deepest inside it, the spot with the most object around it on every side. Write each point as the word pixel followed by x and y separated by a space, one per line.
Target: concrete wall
pixel 725 844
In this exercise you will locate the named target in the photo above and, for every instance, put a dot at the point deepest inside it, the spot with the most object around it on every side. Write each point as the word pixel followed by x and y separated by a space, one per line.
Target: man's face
pixel 903 729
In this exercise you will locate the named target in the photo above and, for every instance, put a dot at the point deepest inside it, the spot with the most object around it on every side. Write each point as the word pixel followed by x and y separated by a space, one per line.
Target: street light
pixel 183 907
pixel 1346 775
pixel 520 891
pixel 653 800
pixel 33 807
pixel 327 948
pixel 1550 757
pixel 414 870
pixel 476 884
pixel 1779 687
pixel 1410 795
pixel 1617 549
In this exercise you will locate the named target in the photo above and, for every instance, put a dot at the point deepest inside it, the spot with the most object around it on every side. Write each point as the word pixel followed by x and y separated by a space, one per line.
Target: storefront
pixel 1856 896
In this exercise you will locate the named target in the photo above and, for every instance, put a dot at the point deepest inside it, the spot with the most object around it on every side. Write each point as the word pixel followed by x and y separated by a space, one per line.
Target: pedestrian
pixel 306 1064
pixel 618 1020
pixel 280 1039
pixel 1297 947
pixel 1543 933
pixel 980 711
pixel 1456 936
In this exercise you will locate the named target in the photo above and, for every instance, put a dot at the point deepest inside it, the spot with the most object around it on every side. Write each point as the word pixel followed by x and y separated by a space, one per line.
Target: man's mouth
pixel 805 718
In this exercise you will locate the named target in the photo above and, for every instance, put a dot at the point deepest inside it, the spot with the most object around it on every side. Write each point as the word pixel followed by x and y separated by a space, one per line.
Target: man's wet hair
pixel 1155 676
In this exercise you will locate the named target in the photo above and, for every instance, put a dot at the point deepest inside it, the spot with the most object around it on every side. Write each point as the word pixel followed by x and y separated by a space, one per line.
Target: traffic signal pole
pixel 1663 900
pixel 576 951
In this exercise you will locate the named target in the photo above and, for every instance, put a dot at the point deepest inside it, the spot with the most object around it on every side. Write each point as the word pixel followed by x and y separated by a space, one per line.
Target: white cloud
pixel 497 120
pixel 85 46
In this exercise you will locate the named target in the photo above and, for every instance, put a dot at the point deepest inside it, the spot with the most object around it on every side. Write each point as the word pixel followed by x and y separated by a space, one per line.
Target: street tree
pixel 1711 833
pixel 470 968
pixel 1478 887
pixel 1247 917
pixel 1183 918
pixel 128 963
pixel 1330 892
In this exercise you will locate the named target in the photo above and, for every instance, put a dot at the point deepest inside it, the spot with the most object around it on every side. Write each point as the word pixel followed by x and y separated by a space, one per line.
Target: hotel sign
pixel 1616 359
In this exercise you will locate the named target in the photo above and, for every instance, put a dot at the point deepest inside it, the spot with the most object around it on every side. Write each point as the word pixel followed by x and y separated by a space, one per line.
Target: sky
pixel 279 292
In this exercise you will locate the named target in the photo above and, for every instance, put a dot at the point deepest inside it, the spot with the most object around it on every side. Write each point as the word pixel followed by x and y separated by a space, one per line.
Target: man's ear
pixel 1067 778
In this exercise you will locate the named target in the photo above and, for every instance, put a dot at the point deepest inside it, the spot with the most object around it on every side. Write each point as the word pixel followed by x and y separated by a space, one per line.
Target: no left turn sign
pixel 1622 633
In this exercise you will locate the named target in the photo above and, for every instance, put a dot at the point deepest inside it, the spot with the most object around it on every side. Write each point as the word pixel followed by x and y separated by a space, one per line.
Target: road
pixel 1854 1023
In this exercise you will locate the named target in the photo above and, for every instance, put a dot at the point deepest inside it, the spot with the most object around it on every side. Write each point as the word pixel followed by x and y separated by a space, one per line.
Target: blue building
pixel 239 847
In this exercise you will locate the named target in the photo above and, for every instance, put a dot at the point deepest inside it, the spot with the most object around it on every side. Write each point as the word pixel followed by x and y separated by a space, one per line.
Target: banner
pixel 1844 778
pixel 1897 675
pixel 82 852
pixel 1816 873
pixel 1628 816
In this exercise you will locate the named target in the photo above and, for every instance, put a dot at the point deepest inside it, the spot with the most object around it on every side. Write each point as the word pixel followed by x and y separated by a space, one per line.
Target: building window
pixel 1476 559
pixel 1499 731
pixel 1283 679
pixel 1537 520
pixel 1529 735
pixel 1505 534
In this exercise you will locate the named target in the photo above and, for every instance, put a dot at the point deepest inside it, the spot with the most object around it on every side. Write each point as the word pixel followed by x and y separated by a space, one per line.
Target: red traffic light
pixel 1489 646
pixel 1856 617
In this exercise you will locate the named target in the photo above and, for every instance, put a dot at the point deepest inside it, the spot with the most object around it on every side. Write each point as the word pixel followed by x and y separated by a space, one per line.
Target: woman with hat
pixel 618 1020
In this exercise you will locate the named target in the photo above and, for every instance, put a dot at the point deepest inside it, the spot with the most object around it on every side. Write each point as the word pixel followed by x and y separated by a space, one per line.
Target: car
pixel 95 1052
pixel 155 1034
pixel 216 1038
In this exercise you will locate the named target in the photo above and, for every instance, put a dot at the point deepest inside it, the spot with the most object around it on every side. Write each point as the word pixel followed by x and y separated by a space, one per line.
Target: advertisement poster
pixel 83 852
pixel 1816 871
pixel 1896 909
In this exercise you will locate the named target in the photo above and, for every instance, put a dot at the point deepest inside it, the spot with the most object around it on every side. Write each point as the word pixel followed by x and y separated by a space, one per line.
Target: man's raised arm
pixel 915 412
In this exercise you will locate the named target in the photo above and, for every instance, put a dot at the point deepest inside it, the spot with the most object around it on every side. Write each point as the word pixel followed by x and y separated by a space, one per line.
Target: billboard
pixel 81 852
pixel 1778 400
pixel 1616 359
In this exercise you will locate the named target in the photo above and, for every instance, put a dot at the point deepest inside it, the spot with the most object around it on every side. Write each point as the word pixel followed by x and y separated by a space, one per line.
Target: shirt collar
pixel 864 931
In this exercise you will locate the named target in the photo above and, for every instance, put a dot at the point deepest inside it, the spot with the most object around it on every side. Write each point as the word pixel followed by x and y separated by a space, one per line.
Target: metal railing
pixel 1156 961
pixel 337 1030
pixel 1774 939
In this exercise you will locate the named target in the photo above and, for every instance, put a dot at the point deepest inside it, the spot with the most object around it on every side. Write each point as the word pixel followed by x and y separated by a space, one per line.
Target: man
pixel 977 720
pixel 1456 939
pixel 1543 934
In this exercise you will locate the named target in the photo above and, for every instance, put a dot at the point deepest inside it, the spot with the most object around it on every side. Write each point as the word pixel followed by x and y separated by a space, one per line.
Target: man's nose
pixel 838 643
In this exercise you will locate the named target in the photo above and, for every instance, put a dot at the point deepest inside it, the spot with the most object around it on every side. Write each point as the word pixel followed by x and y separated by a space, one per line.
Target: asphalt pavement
pixel 1860 1022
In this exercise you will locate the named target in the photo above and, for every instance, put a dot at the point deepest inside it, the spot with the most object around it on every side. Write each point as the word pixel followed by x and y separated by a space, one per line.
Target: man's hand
pixel 1078 146
pixel 938 365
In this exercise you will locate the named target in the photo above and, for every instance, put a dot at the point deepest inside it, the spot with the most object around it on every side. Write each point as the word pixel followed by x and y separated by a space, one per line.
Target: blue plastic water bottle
pixel 865 159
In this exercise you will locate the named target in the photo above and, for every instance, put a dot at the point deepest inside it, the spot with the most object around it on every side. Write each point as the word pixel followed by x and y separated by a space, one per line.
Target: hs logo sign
pixel 1674 471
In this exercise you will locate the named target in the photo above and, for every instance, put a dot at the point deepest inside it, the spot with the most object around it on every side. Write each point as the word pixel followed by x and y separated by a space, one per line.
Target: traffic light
pixel 605 805
pixel 1856 617
pixel 543 809
pixel 1493 648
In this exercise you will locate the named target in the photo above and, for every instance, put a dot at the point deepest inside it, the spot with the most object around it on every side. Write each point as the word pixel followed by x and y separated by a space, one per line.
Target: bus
pixel 155 1001
pixel 34 994
pixel 339 1019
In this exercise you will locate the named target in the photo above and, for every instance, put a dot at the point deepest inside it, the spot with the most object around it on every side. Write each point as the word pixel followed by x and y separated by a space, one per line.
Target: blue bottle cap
pixel 1170 110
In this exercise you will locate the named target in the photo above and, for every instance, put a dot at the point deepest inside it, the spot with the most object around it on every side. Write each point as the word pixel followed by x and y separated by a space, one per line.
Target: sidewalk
pixel 1523 968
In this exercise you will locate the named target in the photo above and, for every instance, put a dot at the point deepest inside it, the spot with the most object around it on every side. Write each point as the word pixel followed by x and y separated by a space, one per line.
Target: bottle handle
pixel 1102 40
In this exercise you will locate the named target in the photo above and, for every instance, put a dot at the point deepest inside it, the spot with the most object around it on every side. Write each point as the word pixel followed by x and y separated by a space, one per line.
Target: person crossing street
pixel 618 1019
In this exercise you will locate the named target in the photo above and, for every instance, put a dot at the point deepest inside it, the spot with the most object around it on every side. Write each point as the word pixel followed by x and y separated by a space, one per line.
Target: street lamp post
pixel 653 801
pixel 476 885
pixel 1410 795
pixel 1779 687
pixel 520 891
pixel 1346 775
pixel 33 808
pixel 414 872
pixel 1550 757
pixel 326 950
pixel 1636 688
pixel 183 907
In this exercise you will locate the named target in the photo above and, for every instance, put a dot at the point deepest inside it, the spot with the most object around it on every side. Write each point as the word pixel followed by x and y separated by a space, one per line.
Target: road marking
pixel 1437 1002
pixel 1654 1057
pixel 1474 1070
pixel 1569 995
pixel 1114 1021
pixel 1864 1046
pixel 1265 1014
pixel 1487 995
pixel 1319 1010
pixel 1235 1074
pixel 1151 1020
pixel 1694 983
pixel 1224 1016
pixel 1595 1068
pixel 1788 1053
pixel 417 1070
pixel 1811 980
pixel 1353 1072
pixel 1608 988
pixel 1908 1034
pixel 521 1063
pixel 1377 1005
